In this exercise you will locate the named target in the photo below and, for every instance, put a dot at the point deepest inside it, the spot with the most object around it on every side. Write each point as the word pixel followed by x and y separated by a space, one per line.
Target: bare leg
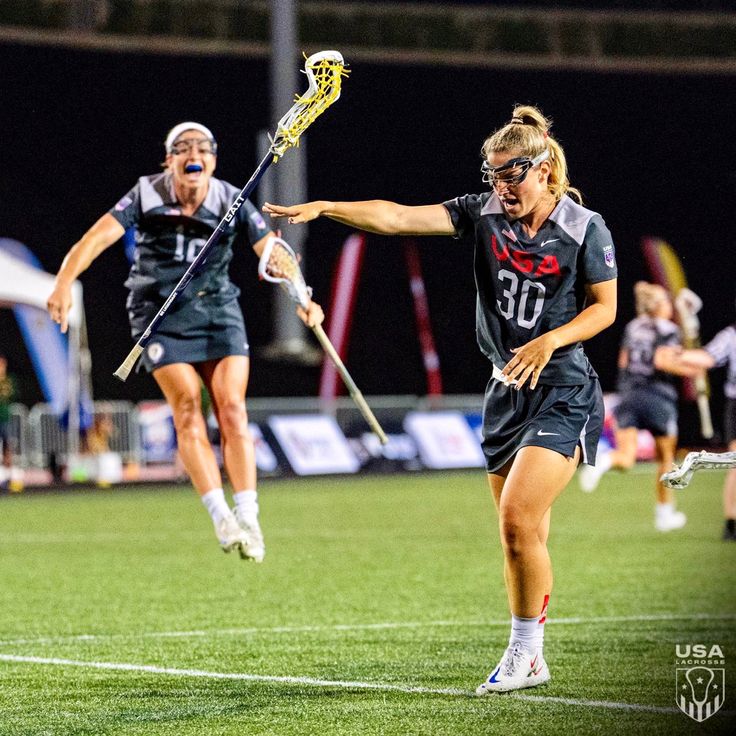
pixel 729 490
pixel 180 385
pixel 624 456
pixel 665 448
pixel 227 381
pixel 524 493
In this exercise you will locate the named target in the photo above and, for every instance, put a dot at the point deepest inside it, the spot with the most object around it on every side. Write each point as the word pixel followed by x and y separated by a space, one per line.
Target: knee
pixel 517 534
pixel 188 418
pixel 233 419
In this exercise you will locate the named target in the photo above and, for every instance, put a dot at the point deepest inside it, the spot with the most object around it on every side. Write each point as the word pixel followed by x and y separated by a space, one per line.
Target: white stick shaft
pixel 706 424
pixel 355 393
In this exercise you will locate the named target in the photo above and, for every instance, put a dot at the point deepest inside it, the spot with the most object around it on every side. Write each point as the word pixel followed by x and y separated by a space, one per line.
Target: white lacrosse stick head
pixel 688 304
pixel 325 71
pixel 688 301
pixel 279 265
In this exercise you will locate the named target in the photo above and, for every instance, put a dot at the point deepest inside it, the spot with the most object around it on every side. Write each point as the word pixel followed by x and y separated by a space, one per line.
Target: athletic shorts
pixel 201 328
pixel 729 421
pixel 647 410
pixel 556 417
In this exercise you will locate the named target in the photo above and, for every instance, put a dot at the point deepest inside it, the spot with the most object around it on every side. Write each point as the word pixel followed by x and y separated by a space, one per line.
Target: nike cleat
pixel 670 521
pixel 255 548
pixel 231 535
pixel 517 669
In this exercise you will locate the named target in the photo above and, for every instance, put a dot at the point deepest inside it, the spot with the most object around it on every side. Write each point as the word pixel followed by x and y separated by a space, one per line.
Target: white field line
pixel 316 682
pixel 387 625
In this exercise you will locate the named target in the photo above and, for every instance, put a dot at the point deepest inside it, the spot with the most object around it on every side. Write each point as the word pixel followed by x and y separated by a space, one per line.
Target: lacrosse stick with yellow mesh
pixel 279 265
pixel 325 71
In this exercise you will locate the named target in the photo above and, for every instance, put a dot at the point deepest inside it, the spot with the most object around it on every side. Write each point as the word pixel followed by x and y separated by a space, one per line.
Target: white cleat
pixel 255 547
pixel 669 522
pixel 589 477
pixel 231 535
pixel 517 669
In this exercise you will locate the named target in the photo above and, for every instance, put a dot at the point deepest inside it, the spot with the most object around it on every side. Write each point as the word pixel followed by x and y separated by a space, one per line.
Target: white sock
pixel 524 631
pixel 246 502
pixel 214 502
pixel 603 462
pixel 665 509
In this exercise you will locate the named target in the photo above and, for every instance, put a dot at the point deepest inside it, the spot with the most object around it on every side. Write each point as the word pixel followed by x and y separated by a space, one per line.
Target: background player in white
pixel 648 398
pixel 203 336
pixel 721 351
pixel 546 278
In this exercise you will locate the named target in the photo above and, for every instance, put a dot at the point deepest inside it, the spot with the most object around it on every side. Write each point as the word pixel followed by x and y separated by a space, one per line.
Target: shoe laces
pixel 516 655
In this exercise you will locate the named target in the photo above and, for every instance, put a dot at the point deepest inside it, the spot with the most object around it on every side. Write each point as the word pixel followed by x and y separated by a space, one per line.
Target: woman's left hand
pixel 312 315
pixel 529 360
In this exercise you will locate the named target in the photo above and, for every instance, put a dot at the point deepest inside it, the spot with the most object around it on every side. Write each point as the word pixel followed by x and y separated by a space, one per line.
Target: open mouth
pixel 193 169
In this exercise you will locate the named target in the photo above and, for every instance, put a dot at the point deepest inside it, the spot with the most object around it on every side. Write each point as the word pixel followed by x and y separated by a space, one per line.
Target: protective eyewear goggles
pixel 513 172
pixel 185 145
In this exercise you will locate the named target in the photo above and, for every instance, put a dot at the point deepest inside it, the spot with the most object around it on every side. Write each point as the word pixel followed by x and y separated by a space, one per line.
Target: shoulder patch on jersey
pixel 124 203
pixel 573 218
pixel 609 256
pixel 258 220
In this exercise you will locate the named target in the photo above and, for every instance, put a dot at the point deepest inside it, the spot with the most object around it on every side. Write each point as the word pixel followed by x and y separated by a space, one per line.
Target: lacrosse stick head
pixel 688 304
pixel 325 71
pixel 279 265
pixel 688 301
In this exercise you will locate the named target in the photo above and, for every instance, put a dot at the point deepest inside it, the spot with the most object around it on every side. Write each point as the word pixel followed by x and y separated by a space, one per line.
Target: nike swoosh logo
pixel 544 242
pixel 546 434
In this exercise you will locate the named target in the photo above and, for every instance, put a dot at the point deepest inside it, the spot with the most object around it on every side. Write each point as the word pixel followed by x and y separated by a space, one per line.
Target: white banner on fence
pixel 445 439
pixel 314 444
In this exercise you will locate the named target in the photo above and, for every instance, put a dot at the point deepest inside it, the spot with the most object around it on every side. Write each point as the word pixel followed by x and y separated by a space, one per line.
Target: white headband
pixel 177 130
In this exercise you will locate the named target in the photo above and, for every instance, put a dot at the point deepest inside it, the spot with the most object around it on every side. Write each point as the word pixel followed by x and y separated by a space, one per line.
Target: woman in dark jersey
pixel 648 398
pixel 545 272
pixel 203 336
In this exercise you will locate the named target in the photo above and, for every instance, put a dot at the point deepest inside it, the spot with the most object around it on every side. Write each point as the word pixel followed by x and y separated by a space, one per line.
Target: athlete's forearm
pixel 100 236
pixel 389 218
pixel 592 320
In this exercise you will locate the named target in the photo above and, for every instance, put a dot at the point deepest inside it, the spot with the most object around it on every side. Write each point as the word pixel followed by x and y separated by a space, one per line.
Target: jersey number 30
pixel 515 301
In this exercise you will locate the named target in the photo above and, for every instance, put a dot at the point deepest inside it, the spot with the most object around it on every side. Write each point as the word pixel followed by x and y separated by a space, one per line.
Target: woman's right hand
pixel 296 213
pixel 59 304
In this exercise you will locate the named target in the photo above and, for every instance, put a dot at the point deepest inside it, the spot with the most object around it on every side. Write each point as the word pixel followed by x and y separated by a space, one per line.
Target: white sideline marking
pixel 386 625
pixel 316 682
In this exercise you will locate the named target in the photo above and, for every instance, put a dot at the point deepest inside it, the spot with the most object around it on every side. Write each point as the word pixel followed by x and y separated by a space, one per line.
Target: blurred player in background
pixel 7 396
pixel 546 277
pixel 720 351
pixel 648 398
pixel 203 336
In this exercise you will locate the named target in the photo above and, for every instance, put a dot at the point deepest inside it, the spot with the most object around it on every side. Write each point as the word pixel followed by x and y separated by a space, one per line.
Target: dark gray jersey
pixel 722 349
pixel 529 286
pixel 642 337
pixel 168 241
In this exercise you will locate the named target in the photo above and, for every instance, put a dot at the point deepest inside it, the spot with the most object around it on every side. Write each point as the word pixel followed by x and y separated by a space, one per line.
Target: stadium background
pixel 653 153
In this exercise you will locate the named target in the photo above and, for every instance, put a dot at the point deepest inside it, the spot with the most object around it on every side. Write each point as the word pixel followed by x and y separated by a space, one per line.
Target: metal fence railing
pixel 114 424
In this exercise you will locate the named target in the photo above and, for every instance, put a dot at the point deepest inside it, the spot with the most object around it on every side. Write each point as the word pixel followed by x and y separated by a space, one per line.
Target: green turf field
pixel 378 610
